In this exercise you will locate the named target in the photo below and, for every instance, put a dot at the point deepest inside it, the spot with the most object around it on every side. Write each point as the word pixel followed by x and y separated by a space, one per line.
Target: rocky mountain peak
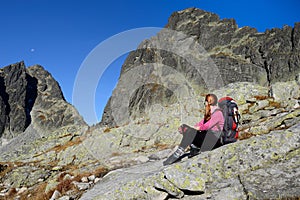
pixel 31 96
pixel 208 53
pixel 48 86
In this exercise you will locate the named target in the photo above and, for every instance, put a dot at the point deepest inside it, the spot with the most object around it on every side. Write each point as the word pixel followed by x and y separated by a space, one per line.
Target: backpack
pixel 231 115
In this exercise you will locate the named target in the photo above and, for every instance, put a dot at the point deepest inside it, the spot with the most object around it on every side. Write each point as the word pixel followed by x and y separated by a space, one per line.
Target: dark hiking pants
pixel 205 140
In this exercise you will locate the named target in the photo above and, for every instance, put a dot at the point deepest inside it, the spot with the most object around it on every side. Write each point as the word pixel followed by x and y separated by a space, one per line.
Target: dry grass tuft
pixel 107 130
pixel 36 193
pixel 68 144
pixel 65 186
pixel 11 193
pixel 261 97
pixel 275 104
pixel 114 154
pixel 42 117
pixel 245 136
pixel 7 167
pixel 161 146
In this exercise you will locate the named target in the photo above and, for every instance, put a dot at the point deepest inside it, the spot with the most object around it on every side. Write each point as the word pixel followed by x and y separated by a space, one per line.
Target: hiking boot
pixel 194 150
pixel 174 157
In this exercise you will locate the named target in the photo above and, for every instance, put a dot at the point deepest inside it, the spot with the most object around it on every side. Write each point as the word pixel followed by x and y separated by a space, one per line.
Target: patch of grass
pixel 11 193
pixel 98 172
pixel 62 147
pixel 42 117
pixel 246 135
pixel 156 146
pixel 247 111
pixel 8 167
pixel 275 104
pixel 5 168
pixel 258 97
pixel 36 193
pixel 115 154
pixel 161 146
pixel 68 144
pixel 107 130
pixel 64 185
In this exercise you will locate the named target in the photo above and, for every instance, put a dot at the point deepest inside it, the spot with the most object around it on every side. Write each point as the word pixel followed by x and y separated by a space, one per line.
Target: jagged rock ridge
pixel 240 54
pixel 30 96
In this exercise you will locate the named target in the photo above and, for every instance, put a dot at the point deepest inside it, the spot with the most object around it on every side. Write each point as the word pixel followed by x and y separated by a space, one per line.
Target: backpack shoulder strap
pixel 217 125
pixel 217 109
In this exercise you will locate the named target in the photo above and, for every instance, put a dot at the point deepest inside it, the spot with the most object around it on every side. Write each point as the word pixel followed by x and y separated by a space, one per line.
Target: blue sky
pixel 59 34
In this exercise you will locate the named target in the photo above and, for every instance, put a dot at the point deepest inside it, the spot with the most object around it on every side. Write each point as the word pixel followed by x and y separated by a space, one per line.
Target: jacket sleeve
pixel 215 119
pixel 199 125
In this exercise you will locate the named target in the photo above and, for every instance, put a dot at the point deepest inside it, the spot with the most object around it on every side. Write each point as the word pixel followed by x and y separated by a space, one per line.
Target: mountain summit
pixel 31 96
pixel 206 52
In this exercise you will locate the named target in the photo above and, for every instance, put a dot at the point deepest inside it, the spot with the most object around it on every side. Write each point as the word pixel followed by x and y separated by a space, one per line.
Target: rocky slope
pixel 34 117
pixel 53 154
pixel 263 170
pixel 262 167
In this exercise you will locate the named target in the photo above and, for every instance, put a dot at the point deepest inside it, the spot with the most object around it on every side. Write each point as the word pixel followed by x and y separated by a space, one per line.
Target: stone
pixel 21 190
pixel 160 155
pixel 68 177
pixel 92 178
pixel 142 159
pixel 57 168
pixel 56 194
pixel 97 180
pixel 84 179
pixel 64 198
pixel 283 91
pixel 24 176
pixel 258 106
pixel 81 186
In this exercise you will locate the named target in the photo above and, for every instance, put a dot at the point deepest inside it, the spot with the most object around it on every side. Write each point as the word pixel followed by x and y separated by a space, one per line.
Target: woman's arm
pixel 199 125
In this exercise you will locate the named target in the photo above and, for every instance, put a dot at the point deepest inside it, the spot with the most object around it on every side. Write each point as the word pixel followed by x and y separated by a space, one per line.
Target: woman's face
pixel 209 101
pixel 205 103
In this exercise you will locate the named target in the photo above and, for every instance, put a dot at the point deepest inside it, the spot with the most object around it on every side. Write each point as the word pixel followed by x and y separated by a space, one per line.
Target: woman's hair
pixel 211 100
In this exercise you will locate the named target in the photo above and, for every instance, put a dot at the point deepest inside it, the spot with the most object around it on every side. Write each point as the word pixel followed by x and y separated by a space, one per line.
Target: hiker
pixel 205 135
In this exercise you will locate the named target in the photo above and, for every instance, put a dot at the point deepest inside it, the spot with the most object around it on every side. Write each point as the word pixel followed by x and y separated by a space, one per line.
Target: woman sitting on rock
pixel 205 135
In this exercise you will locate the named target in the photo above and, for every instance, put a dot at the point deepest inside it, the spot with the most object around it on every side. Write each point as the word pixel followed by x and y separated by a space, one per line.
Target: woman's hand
pixel 182 129
pixel 197 127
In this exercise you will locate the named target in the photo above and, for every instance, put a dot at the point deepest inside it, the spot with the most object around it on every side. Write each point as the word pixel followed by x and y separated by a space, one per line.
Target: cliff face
pixel 201 47
pixel 275 50
pixel 32 97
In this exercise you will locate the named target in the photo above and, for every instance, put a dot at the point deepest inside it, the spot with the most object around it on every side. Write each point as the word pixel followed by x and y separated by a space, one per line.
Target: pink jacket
pixel 215 123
